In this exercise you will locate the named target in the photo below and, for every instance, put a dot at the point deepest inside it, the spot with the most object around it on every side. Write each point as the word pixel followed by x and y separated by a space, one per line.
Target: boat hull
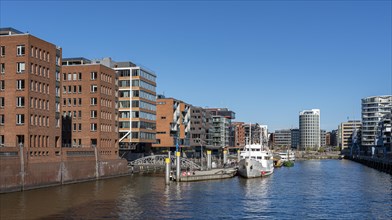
pixel 251 168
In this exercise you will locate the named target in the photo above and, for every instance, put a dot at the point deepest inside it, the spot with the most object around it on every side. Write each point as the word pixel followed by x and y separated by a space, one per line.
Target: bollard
pixel 224 157
pixel 238 155
pixel 167 176
pixel 169 155
pixel 208 160
pixel 178 176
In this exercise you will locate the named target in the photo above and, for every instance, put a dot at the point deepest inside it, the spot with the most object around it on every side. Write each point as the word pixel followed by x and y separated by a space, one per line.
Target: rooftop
pixel 9 31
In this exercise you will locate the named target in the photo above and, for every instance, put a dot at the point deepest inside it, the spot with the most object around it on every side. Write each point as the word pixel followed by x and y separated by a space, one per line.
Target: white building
pixel 309 128
pixel 373 110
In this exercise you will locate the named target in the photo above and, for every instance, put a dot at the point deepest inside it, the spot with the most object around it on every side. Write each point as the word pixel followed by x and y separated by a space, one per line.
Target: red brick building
pixel 173 121
pixel 89 97
pixel 29 94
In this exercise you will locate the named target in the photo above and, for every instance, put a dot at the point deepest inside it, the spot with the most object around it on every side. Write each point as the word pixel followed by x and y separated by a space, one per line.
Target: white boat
pixel 255 162
pixel 287 156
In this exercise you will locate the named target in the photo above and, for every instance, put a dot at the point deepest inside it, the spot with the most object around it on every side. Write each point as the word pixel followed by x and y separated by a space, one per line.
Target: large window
pixel 93 126
pixel 94 101
pixel 94 75
pixel 20 67
pixel 2 102
pixel 94 88
pixel 93 113
pixel 20 102
pixel 2 85
pixel 2 67
pixel 20 84
pixel 20 119
pixel 2 119
pixel 20 50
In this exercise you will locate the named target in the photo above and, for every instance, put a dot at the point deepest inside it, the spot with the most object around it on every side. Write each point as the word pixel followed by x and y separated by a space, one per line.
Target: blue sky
pixel 265 60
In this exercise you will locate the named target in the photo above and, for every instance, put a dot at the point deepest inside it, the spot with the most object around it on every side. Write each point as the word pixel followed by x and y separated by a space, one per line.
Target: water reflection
pixel 311 189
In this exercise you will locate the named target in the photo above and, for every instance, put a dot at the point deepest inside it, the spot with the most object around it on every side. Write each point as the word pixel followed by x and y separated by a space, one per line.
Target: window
pixel 20 101
pixel 93 114
pixel 2 67
pixel 20 119
pixel 80 101
pixel 69 76
pixel 20 50
pixel 79 89
pixel 20 67
pixel 64 77
pixel 79 114
pixel 2 102
pixel 94 75
pixel 2 51
pixel 75 76
pixel 94 88
pixel 1 119
pixel 80 76
pixel 2 141
pixel 2 85
pixel 93 126
pixel 93 101
pixel 20 84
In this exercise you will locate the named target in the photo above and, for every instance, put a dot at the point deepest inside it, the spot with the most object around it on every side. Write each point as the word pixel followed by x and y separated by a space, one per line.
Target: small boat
pixel 255 162
pixel 286 156
pixel 277 161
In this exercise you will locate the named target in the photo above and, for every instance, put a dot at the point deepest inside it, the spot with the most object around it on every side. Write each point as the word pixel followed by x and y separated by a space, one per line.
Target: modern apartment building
pixel 346 131
pixel 30 94
pixel 200 125
pixel 136 107
pixel 374 108
pixel 384 133
pixel 89 97
pixel 173 124
pixel 295 138
pixel 323 141
pixel 283 138
pixel 221 127
pixel 309 126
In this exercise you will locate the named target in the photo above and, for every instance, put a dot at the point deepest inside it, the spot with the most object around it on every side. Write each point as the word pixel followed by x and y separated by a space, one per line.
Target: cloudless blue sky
pixel 265 60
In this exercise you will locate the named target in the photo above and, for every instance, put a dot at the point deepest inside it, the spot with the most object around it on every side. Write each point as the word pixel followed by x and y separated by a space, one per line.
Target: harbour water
pixel 315 189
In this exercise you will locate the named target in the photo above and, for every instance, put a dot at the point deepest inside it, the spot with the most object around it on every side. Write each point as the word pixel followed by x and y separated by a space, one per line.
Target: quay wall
pixel 382 165
pixel 17 174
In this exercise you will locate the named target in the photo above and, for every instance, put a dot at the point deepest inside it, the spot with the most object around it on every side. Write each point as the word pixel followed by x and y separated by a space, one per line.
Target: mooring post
pixel 169 155
pixel 22 166
pixel 178 176
pixel 208 160
pixel 224 157
pixel 167 176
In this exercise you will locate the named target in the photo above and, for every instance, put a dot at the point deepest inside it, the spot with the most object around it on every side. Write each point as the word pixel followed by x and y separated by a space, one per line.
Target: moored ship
pixel 256 160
